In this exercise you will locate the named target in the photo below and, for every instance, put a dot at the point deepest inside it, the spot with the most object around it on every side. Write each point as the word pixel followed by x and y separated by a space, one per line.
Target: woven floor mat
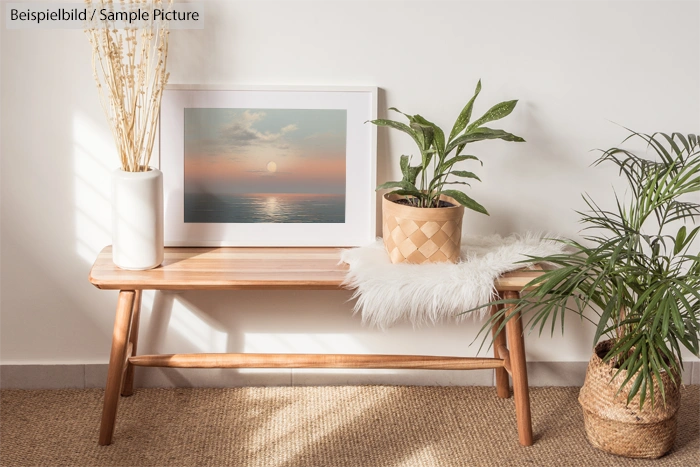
pixel 313 426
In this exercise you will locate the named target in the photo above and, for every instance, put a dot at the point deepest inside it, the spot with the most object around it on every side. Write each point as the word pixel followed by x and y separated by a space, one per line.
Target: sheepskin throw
pixel 428 293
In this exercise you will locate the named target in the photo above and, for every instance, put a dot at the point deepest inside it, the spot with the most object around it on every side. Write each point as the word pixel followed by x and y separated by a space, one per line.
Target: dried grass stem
pixel 129 67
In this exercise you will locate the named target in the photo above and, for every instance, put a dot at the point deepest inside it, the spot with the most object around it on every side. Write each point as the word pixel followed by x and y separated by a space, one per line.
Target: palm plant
pixel 435 167
pixel 641 272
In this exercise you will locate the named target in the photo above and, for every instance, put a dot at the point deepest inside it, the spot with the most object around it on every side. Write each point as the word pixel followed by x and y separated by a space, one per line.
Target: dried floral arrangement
pixel 129 67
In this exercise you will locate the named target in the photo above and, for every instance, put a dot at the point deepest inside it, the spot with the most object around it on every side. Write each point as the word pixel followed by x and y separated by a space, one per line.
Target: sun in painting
pixel 272 167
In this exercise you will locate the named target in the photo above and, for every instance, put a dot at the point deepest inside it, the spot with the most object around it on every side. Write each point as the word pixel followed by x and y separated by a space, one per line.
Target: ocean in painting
pixel 265 208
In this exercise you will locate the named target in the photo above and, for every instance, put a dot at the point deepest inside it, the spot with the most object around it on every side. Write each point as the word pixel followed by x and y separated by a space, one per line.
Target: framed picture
pixel 268 166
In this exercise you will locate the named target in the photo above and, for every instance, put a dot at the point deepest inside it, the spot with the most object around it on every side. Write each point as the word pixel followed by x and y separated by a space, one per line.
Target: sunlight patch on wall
pixel 91 148
pixel 302 343
pixel 199 333
pixel 87 245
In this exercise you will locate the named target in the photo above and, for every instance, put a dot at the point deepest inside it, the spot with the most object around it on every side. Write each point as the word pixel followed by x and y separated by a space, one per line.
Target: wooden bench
pixel 280 269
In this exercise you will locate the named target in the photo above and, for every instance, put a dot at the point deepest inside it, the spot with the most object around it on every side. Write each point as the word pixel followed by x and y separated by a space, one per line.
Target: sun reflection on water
pixel 271 206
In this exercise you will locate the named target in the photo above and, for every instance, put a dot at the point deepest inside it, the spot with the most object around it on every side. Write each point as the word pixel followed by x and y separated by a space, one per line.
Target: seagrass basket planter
pixel 421 235
pixel 618 428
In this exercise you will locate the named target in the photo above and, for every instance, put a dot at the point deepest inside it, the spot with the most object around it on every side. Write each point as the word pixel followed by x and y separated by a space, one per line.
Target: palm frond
pixel 644 287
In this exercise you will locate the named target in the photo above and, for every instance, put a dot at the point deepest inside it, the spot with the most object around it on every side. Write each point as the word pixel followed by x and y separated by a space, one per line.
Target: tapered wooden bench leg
pixel 128 388
pixel 499 339
pixel 117 358
pixel 521 392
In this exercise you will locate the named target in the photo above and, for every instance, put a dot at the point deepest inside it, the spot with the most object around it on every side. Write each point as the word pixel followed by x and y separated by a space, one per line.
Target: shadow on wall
pixel 173 322
pixel 245 322
pixel 91 187
pixel 384 160
pixel 92 198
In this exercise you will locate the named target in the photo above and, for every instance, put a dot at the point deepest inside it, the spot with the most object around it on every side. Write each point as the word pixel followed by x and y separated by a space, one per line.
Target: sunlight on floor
pixel 338 412
pixel 422 456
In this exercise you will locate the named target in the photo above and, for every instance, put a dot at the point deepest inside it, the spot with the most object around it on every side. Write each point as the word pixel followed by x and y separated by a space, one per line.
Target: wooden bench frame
pixel 281 269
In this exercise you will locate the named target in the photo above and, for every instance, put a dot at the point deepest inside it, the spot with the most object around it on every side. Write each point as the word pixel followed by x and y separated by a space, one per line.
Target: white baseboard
pixel 94 376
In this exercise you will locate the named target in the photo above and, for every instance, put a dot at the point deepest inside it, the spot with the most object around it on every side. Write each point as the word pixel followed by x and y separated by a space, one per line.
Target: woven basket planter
pixel 421 235
pixel 615 427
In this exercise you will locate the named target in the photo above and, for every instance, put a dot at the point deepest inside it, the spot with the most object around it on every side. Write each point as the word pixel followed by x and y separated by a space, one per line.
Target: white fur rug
pixel 428 293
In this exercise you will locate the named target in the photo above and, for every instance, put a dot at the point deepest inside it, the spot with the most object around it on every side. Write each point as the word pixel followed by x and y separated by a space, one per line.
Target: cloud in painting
pixel 240 132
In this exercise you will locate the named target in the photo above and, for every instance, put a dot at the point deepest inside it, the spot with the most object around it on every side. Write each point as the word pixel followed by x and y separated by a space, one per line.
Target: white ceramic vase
pixel 137 219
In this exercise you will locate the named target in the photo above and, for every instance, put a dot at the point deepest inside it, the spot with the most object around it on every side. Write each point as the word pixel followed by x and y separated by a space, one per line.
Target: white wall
pixel 575 66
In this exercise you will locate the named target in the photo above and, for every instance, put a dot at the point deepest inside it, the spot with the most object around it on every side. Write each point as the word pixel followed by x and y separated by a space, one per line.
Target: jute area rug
pixel 313 426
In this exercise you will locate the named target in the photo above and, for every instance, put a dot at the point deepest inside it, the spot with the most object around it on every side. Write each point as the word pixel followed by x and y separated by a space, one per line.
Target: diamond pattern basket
pixel 421 235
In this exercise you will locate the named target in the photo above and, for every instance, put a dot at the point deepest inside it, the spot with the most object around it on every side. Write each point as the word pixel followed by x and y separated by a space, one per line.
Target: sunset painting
pixel 264 165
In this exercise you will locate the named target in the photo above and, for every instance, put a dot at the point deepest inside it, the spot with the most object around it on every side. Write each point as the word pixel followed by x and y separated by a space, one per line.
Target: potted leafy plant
pixel 422 219
pixel 639 273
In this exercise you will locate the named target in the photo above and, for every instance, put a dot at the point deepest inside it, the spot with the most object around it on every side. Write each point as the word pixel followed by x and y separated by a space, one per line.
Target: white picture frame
pixel 359 224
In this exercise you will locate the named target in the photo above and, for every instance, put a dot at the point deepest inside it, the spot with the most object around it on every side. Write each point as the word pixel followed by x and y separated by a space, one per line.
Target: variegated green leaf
pixel 452 161
pixel 404 185
pixel 466 114
pixel 410 173
pixel 482 134
pixel 496 112
pixel 438 134
pixel 465 174
pixel 398 126
pixel 414 193
pixel 466 201
pixel 425 134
